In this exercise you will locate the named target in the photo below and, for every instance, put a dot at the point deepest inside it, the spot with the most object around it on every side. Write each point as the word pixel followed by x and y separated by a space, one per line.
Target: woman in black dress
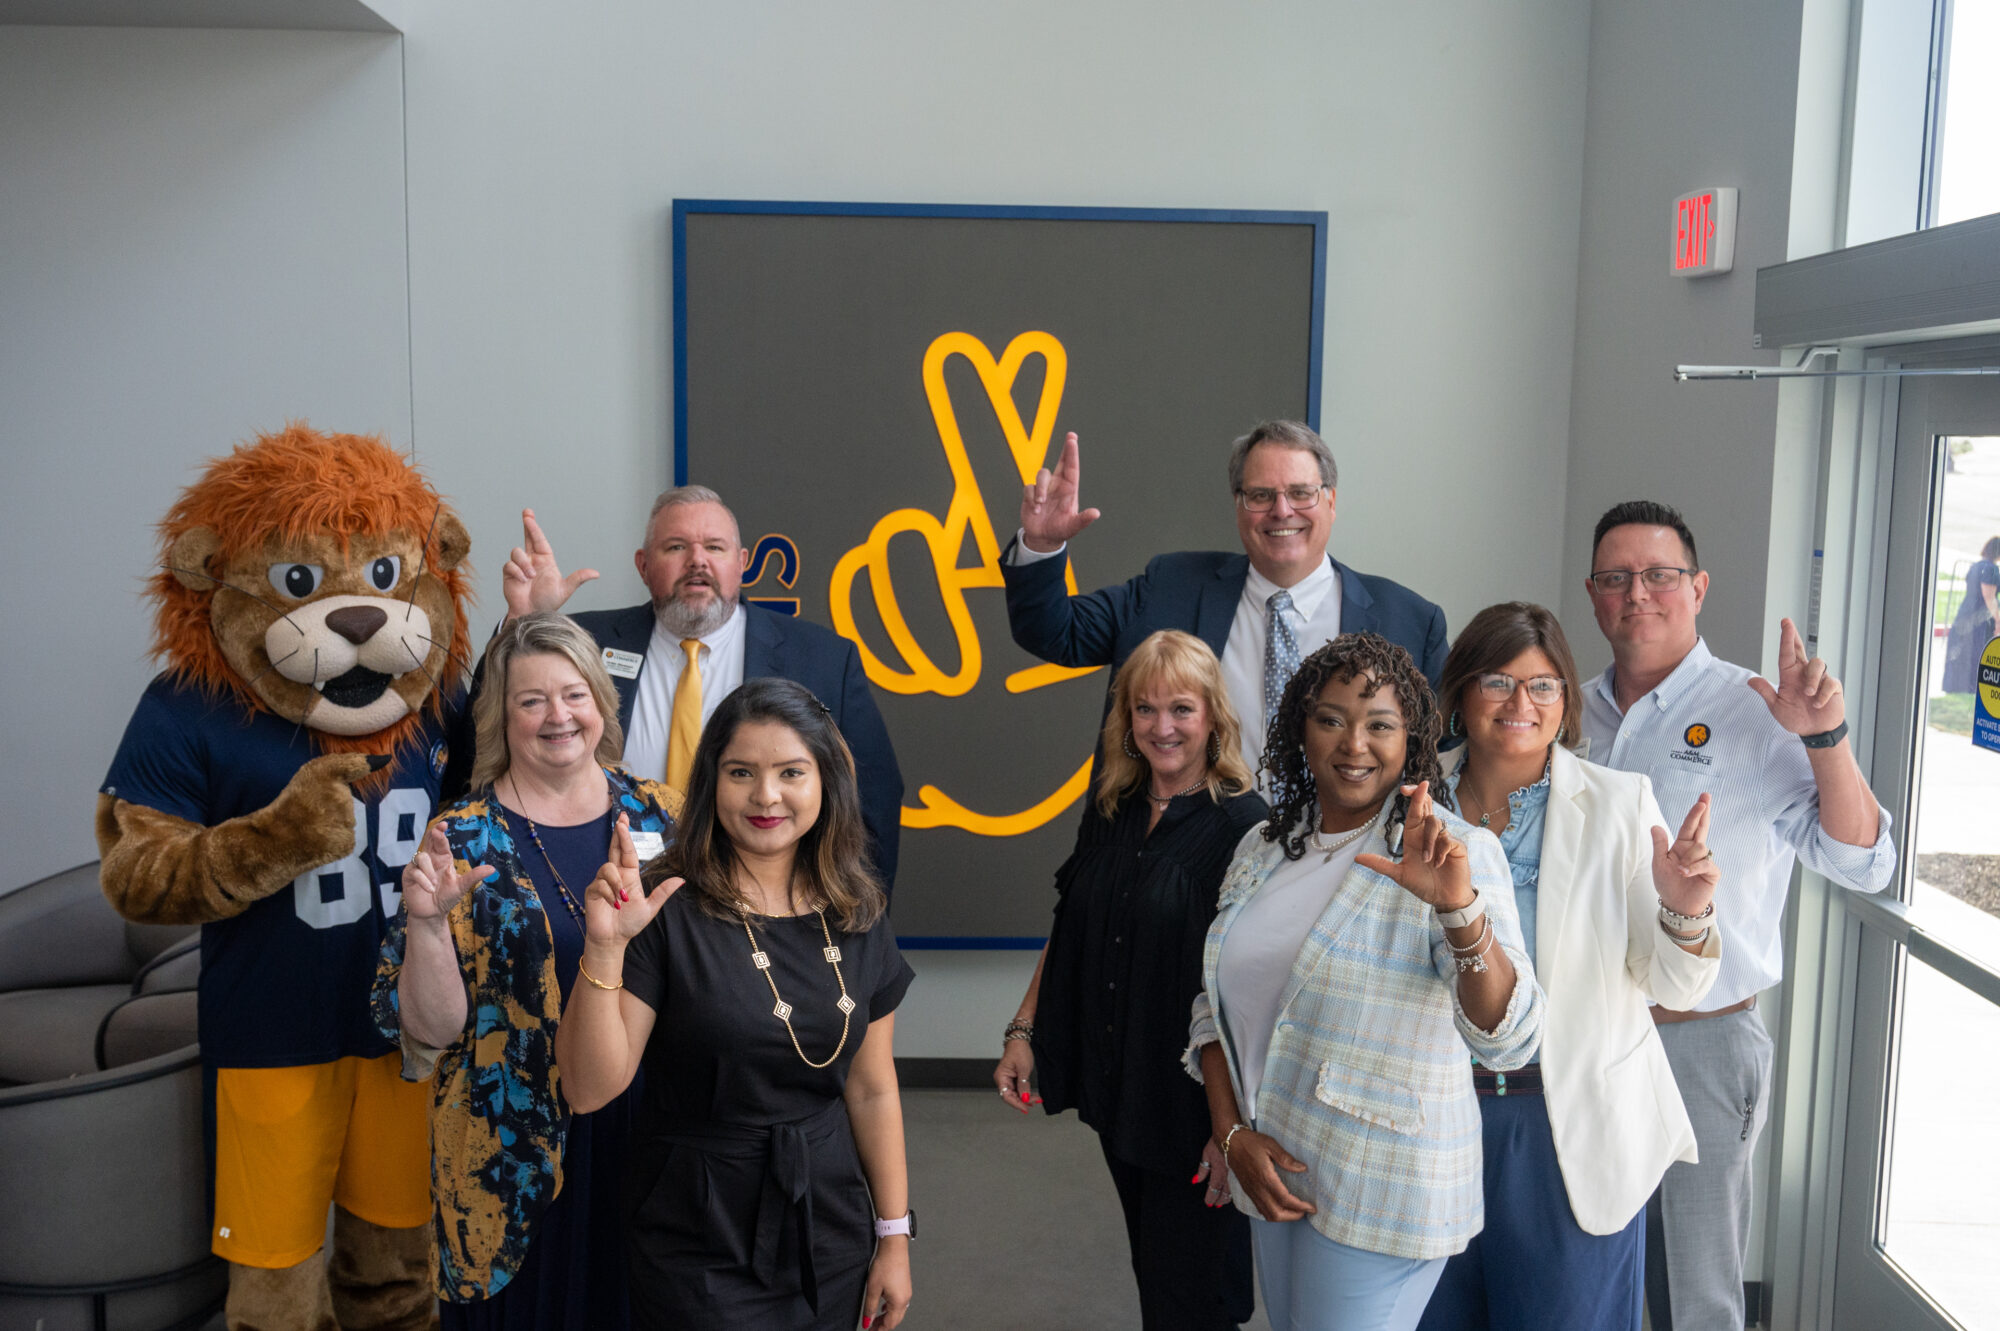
pixel 1974 625
pixel 759 982
pixel 1105 1019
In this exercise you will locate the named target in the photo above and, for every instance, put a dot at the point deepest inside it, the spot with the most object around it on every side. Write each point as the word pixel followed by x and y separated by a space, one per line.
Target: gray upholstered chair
pixel 106 1222
pixel 82 990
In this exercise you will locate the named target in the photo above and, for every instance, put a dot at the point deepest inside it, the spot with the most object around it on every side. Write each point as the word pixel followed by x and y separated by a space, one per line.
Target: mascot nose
pixel 357 623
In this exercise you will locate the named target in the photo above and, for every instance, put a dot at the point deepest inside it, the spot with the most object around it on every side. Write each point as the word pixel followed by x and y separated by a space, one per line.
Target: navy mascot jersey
pixel 287 981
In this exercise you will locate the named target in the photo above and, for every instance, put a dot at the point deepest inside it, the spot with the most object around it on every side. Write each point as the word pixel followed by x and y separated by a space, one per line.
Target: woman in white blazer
pixel 1614 918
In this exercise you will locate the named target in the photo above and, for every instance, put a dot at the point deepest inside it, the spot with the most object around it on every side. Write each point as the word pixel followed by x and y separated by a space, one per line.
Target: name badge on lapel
pixel 648 845
pixel 625 665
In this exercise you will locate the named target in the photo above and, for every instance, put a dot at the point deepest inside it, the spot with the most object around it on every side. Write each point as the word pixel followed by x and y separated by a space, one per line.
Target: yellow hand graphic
pixel 946 543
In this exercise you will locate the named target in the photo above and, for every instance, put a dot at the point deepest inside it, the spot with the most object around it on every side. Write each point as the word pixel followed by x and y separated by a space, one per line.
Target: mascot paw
pixel 317 804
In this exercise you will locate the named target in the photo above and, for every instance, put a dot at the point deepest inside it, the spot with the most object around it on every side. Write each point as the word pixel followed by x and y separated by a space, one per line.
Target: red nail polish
pixel 1196 1178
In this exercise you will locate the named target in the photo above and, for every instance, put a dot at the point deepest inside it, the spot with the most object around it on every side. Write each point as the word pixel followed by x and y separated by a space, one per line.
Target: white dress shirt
pixel 1703 729
pixel 1315 620
pixel 653 706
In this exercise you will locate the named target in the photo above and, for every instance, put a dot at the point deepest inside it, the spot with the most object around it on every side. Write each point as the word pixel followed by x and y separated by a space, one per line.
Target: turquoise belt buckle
pixel 1499 1083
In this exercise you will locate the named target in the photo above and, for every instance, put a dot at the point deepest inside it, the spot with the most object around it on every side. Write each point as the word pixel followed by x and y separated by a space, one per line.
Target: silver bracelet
pixel 1471 960
pixel 1674 920
pixel 1229 1137
pixel 1691 940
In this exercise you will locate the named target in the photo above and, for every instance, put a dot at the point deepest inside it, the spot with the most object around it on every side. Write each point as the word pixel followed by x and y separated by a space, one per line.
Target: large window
pixel 1963 174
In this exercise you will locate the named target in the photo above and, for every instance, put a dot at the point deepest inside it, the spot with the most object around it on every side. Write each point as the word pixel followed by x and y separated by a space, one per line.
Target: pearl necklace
pixel 1331 848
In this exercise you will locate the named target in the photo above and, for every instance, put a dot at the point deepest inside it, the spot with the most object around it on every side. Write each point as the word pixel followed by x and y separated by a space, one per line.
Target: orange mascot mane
pixel 330 503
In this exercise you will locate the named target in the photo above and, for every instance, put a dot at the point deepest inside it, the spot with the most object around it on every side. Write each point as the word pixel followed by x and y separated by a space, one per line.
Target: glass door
pixel 1918 1241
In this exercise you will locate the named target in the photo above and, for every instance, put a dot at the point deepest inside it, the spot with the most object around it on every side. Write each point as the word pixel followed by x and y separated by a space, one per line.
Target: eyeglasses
pixel 1542 689
pixel 1615 580
pixel 1262 499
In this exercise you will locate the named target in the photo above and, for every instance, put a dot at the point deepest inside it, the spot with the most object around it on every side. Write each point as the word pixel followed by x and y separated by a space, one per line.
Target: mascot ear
pixel 452 540
pixel 188 558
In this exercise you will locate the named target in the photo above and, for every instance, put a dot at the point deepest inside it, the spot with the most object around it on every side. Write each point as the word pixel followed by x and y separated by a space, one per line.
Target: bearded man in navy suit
pixel 692 563
pixel 1282 478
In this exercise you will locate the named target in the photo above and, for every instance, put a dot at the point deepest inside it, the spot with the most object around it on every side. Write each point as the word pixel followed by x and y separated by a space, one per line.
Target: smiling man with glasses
pixel 1261 612
pixel 1785 786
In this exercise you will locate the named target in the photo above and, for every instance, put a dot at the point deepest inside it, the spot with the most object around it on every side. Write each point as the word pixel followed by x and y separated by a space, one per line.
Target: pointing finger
pixel 1791 647
pixel 626 854
pixel 532 530
pixel 1383 865
pixel 1696 816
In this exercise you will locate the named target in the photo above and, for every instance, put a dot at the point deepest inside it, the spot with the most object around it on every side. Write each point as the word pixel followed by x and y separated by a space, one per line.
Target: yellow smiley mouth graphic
pixel 946 542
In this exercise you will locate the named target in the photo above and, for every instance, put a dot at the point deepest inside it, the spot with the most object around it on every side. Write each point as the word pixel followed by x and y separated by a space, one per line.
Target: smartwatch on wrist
pixel 1458 919
pixel 1826 739
pixel 906 1225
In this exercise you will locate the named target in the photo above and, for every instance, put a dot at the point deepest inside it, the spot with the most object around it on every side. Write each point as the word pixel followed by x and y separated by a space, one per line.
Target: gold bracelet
pixel 1230 1137
pixel 594 980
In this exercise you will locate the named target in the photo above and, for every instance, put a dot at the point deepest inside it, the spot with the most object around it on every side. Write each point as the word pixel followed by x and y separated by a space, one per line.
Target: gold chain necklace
pixel 783 1010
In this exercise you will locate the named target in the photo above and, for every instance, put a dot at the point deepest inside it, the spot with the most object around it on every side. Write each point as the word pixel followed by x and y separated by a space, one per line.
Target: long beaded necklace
pixel 783 1010
pixel 569 901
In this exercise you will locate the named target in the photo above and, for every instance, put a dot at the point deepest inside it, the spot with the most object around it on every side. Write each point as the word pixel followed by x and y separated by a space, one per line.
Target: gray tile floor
pixel 1020 1227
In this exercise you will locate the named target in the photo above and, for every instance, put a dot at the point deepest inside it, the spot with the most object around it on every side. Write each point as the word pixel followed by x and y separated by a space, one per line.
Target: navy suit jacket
pixel 802 651
pixel 1197 592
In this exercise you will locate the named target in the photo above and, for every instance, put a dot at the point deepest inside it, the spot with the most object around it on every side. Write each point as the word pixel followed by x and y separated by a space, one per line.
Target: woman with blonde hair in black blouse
pixel 1105 1018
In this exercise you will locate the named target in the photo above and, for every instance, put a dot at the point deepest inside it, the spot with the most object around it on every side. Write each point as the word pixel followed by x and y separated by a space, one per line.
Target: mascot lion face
pixel 320 577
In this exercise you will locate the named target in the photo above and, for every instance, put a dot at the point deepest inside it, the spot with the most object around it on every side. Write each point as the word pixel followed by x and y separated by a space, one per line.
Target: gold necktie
pixel 684 731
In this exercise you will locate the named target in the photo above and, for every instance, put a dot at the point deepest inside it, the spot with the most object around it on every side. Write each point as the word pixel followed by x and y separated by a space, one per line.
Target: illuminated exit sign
pixel 1705 232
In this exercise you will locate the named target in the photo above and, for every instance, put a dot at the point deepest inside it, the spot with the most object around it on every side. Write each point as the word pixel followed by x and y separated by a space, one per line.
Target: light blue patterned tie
pixel 1281 658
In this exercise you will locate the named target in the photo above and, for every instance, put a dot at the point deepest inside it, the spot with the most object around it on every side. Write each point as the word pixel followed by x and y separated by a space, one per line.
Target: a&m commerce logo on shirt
pixel 1694 736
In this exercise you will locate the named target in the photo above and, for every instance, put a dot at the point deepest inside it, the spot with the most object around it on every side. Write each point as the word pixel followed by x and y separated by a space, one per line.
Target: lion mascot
pixel 277 775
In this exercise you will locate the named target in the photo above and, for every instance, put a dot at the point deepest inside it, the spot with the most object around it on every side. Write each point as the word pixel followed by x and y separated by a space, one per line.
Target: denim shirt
pixel 1521 840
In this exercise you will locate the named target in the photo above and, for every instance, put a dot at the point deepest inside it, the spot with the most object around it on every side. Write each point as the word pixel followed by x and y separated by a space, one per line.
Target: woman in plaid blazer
pixel 1366 940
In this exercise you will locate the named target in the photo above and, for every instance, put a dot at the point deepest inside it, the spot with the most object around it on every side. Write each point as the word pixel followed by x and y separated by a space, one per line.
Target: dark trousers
pixel 1192 1261
pixel 1533 1268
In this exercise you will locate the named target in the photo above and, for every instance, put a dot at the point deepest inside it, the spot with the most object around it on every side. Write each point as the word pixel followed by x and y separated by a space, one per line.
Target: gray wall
pixel 1444 139
pixel 1681 96
pixel 546 146
pixel 203 236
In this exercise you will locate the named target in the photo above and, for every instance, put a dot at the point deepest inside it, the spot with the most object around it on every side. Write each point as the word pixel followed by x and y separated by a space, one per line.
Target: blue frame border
pixel 1316 351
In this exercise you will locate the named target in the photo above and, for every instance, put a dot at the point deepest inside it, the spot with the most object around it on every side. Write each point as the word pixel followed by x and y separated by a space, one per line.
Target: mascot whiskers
pixel 274 779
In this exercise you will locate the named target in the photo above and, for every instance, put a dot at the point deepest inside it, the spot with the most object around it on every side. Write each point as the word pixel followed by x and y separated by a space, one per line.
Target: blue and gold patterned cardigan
pixel 498 1120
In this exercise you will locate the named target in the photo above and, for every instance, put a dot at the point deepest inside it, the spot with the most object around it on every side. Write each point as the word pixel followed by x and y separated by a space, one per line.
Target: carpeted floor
pixel 1019 1227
